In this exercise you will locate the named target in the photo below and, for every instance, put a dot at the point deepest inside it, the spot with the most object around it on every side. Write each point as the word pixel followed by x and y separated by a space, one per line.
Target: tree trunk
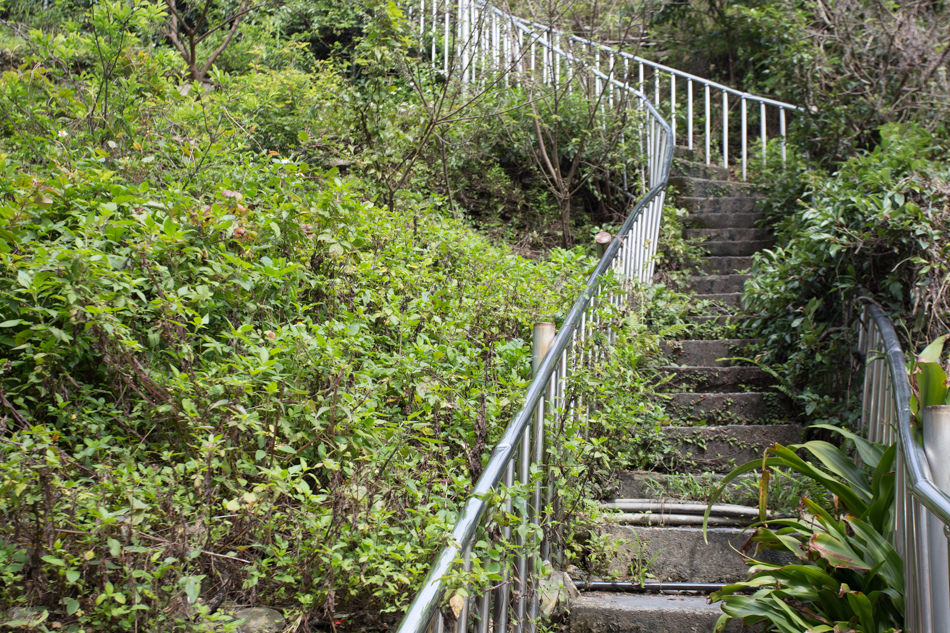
pixel 564 205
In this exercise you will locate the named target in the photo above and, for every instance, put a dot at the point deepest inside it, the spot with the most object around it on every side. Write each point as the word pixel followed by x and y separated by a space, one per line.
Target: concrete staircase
pixel 722 414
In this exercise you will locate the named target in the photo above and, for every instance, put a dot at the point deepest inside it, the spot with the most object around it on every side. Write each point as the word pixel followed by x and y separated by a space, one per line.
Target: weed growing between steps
pixel 787 490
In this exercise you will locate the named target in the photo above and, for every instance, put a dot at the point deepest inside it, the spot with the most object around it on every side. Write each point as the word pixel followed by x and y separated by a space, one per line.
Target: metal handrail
pixel 921 485
pixel 426 602
pixel 657 66
pixel 922 513
pixel 708 86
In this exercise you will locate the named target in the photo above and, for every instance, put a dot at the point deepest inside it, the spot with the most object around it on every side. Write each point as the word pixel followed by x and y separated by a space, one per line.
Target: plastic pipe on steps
pixel 649 587
pixel 650 512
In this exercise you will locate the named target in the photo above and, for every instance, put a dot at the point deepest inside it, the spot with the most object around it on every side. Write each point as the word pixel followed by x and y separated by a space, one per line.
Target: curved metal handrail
pixel 427 600
pixel 657 66
pixel 510 38
pixel 920 483
pixel 922 510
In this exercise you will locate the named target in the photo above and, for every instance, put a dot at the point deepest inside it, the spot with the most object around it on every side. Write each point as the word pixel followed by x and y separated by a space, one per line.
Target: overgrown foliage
pixel 227 373
pixel 877 226
pixel 853 65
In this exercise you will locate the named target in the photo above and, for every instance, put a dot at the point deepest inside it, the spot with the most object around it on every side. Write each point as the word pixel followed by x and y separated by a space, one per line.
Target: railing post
pixel 936 422
pixel 540 343
pixel 601 242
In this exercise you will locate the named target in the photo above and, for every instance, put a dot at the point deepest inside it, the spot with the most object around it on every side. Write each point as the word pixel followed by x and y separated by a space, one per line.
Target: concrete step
pixel 726 299
pixel 722 448
pixel 693 169
pixel 683 152
pixel 729 234
pixel 717 284
pixel 736 249
pixel 724 220
pixel 704 188
pixel 673 554
pixel 734 204
pixel 704 353
pixel 724 265
pixel 641 484
pixel 716 379
pixel 756 407
pixel 636 613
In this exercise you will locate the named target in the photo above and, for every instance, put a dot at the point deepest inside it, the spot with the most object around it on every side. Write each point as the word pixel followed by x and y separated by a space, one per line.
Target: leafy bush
pixel 226 373
pixel 878 225
pixel 853 66
pixel 278 390
pixel 845 573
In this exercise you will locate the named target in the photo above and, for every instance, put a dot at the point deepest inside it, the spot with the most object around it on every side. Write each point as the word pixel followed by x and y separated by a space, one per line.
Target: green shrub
pixel 878 225
pixel 844 574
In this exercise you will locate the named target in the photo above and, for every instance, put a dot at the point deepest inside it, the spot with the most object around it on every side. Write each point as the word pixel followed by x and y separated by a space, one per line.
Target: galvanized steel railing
pixel 478 44
pixel 922 511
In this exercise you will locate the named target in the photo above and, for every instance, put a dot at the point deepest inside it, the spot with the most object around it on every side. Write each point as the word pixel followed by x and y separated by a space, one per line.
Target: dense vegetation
pixel 266 301
pixel 252 346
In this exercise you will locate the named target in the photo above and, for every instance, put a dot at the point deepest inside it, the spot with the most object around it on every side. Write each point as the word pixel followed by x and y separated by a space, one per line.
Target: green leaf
pixel 837 553
pixel 931 380
pixel 932 352
pixel 840 464
pixel 72 605
pixel 192 586
pixel 52 560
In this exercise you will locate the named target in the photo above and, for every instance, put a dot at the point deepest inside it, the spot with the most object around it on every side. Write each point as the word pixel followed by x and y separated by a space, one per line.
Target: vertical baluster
pixel 656 88
pixel 912 579
pixel 517 58
pixel 460 38
pixel 548 59
pixel 725 129
pixel 461 625
pixel 689 111
pixel 496 44
pixel 422 25
pixel 673 105
pixel 781 121
pixel 708 134
pixel 762 125
pixel 483 612
pixel 866 348
pixel 503 590
pixel 744 137
pixel 657 217
pixel 936 448
pixel 435 30
pixel 522 557
pixel 445 43
pixel 923 561
pixel 640 84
